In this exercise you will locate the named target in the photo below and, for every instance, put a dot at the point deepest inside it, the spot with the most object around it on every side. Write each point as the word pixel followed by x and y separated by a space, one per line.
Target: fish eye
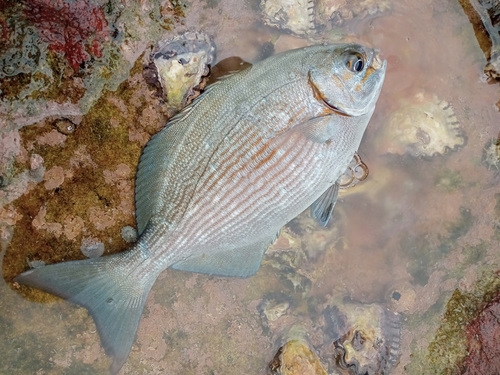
pixel 355 63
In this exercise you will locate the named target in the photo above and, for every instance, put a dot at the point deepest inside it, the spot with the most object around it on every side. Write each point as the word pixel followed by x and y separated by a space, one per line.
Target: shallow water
pixel 410 227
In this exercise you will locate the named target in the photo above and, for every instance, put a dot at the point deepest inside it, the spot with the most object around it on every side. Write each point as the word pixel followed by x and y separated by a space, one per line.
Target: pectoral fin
pixel 237 262
pixel 322 208
pixel 320 129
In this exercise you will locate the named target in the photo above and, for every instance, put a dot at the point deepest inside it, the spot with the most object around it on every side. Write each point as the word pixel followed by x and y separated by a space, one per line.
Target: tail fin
pixel 107 289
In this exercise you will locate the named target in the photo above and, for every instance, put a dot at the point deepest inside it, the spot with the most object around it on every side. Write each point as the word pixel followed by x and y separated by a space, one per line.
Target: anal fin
pixel 238 262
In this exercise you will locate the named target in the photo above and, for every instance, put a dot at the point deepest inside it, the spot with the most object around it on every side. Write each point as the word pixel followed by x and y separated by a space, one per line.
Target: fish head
pixel 347 78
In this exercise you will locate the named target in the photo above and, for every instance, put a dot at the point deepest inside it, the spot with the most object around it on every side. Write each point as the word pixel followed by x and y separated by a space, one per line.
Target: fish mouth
pixel 350 112
pixel 337 109
pixel 321 98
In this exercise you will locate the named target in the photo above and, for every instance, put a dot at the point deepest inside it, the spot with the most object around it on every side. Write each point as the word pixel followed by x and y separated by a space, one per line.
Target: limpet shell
pixel 424 128
pixel 308 16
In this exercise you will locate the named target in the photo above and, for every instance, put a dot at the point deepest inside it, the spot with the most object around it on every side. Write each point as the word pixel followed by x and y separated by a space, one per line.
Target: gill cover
pixel 348 79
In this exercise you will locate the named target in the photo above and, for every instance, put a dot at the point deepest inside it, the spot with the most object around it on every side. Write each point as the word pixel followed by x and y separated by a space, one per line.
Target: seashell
pixel 293 15
pixel 338 11
pixel 424 128
pixel 296 357
pixel 366 337
pixel 306 17
pixel 179 64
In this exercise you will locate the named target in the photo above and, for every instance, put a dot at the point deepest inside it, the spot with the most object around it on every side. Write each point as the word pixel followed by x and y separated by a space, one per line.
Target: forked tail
pixel 106 287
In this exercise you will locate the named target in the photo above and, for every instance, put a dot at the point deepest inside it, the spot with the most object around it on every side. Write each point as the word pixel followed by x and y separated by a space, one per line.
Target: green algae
pixel 423 256
pixel 449 346
pixel 449 180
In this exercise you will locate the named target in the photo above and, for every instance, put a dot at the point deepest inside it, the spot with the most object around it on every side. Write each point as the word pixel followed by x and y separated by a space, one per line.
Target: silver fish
pixel 215 186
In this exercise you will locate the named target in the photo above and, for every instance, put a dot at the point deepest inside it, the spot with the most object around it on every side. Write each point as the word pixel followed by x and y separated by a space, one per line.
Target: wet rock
pixel 180 64
pixel 56 58
pixel 484 15
pixel 76 29
pixel 461 325
pixel 402 298
pixel 483 342
pixel 337 12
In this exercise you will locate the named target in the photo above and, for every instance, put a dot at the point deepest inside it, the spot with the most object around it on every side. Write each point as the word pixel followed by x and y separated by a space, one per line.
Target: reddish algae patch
pixel 73 28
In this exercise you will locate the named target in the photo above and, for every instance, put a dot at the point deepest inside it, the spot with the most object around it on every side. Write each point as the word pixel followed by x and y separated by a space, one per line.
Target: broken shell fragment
pixel 356 171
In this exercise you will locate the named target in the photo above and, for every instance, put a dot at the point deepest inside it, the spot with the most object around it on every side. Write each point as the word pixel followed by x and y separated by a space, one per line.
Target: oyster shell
pixel 366 337
pixel 424 128
pixel 296 357
pixel 179 65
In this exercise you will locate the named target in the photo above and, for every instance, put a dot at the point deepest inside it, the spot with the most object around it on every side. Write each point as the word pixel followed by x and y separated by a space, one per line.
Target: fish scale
pixel 215 186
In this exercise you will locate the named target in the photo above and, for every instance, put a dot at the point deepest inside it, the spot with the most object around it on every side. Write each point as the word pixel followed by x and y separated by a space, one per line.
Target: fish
pixel 218 182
